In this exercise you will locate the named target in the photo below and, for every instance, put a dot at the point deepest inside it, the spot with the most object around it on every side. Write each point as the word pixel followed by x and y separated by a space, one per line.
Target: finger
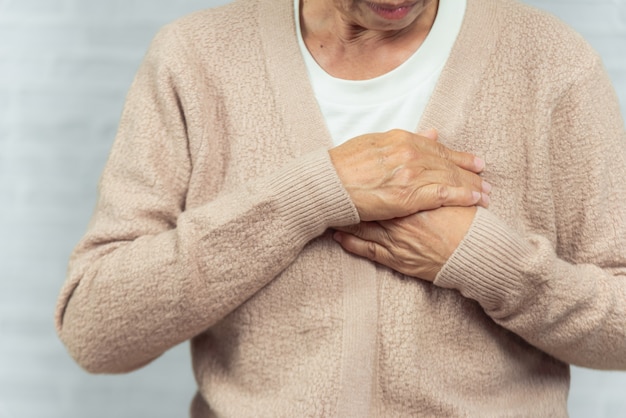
pixel 461 159
pixel 437 195
pixel 455 177
pixel 369 231
pixel 467 161
pixel 363 248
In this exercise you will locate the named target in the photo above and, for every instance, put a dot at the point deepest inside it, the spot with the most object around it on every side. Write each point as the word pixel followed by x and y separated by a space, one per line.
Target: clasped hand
pixel 416 199
pixel 417 245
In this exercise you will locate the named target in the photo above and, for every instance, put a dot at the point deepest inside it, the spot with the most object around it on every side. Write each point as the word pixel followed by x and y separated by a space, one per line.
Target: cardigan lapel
pixel 460 78
pixel 302 117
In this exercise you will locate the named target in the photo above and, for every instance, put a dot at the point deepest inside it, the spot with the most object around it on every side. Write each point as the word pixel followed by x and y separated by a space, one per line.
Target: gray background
pixel 65 66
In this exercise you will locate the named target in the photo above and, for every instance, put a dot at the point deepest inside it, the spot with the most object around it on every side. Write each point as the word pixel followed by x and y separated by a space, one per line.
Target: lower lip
pixel 391 13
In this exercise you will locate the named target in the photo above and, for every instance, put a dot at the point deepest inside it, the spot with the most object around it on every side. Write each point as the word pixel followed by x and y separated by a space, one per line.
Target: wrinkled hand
pixel 398 173
pixel 417 245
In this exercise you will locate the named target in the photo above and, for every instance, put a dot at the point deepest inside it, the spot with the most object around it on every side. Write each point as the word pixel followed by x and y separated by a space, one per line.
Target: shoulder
pixel 227 20
pixel 526 47
pixel 540 37
pixel 215 32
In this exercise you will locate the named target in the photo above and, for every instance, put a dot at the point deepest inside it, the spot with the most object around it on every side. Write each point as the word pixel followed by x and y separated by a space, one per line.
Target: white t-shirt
pixel 395 100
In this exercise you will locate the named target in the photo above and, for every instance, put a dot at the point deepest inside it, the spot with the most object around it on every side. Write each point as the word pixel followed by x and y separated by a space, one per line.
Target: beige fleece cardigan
pixel 215 205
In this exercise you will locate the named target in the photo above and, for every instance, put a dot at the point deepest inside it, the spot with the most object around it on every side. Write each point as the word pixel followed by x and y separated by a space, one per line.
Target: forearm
pixel 575 312
pixel 130 298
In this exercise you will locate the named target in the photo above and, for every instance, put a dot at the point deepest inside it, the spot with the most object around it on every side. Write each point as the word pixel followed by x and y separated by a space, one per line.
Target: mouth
pixel 391 12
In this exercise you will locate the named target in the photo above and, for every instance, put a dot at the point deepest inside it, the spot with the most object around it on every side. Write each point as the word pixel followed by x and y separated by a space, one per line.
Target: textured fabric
pixel 214 207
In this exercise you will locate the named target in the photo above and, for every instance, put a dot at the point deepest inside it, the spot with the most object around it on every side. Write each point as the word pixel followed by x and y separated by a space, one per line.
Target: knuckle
pixel 443 152
pixel 371 251
pixel 395 132
pixel 398 135
pixel 405 152
pixel 442 192
pixel 404 175
pixel 450 165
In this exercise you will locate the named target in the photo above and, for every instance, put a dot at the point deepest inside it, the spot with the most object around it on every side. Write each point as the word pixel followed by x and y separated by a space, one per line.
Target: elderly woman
pixel 269 199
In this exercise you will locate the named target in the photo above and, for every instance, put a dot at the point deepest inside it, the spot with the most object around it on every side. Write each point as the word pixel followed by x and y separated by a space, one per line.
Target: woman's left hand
pixel 417 245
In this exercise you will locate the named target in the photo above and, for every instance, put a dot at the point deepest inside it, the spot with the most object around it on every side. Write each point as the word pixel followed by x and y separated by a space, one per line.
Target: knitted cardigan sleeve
pixel 150 272
pixel 570 299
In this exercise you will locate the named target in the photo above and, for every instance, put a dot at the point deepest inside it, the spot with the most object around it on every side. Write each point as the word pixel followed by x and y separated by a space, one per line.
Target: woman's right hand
pixel 398 173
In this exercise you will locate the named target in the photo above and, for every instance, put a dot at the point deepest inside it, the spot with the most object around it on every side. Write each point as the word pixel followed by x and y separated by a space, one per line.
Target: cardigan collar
pixel 296 100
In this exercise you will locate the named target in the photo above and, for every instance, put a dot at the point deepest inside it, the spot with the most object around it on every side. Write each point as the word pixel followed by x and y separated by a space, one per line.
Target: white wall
pixel 65 66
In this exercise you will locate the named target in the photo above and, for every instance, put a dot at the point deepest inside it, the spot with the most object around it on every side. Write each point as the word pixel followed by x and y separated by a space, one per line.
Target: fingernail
pixel 479 163
pixel 337 236
pixel 486 186
pixel 477 196
pixel 486 199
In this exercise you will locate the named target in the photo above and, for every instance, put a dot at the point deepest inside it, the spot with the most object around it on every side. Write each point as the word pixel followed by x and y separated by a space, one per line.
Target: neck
pixel 349 46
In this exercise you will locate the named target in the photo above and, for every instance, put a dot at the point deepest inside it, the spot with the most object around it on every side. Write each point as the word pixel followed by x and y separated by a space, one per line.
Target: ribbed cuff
pixel 310 197
pixel 489 265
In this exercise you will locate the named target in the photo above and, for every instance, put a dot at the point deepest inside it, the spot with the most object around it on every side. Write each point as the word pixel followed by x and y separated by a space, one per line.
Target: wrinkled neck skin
pixel 349 40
